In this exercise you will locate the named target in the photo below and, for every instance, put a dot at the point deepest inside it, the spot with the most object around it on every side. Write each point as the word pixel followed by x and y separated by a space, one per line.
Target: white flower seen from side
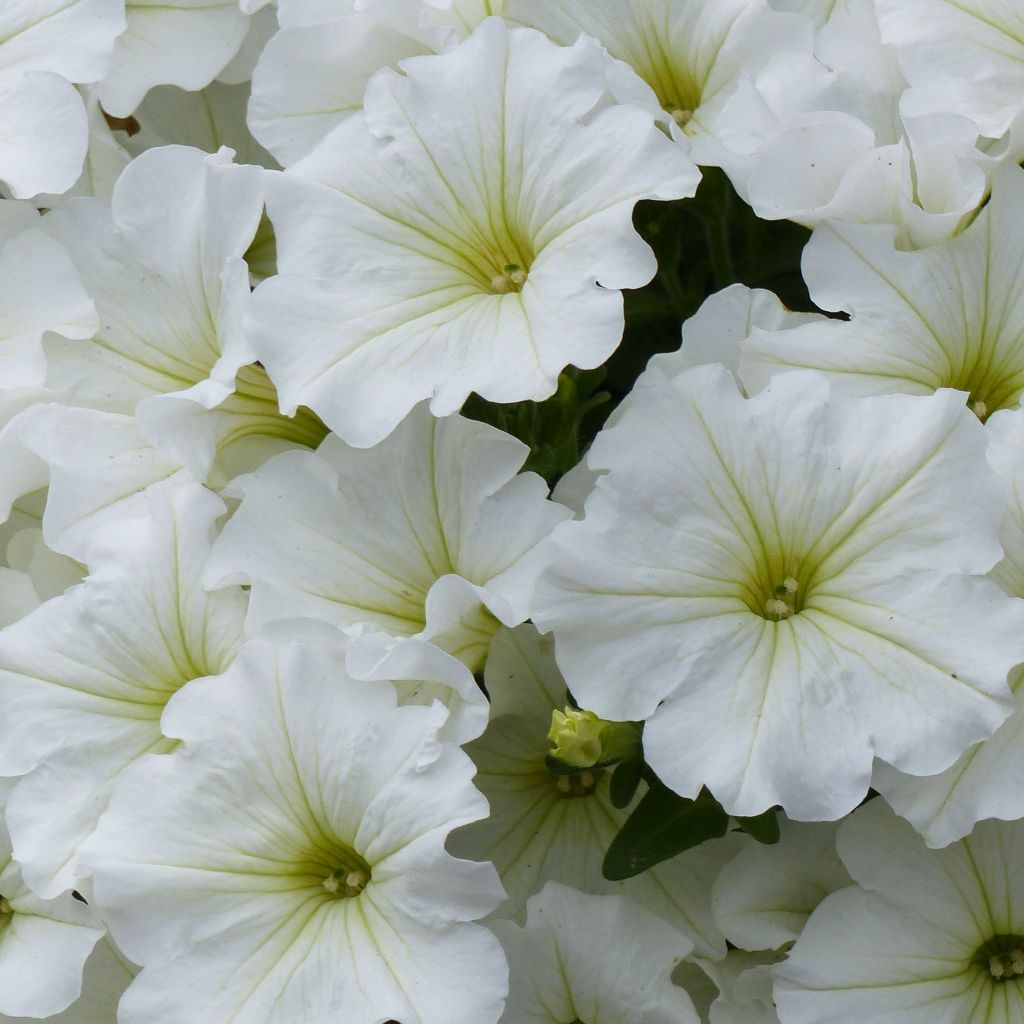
pixel 949 316
pixel 431 533
pixel 85 677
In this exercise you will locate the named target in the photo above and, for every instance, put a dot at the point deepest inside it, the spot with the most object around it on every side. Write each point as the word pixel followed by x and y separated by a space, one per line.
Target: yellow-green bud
pixel 577 737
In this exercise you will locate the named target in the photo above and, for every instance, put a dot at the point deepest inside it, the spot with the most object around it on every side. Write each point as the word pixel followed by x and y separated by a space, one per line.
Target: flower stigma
pixel 349 879
pixel 511 279
pixel 582 784
pixel 783 604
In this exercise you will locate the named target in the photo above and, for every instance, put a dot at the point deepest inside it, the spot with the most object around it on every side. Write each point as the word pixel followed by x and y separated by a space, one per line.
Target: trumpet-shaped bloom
pixel 566 963
pixel 85 677
pixel 545 827
pixel 964 56
pixel 843 148
pixel 924 937
pixel 948 316
pixel 691 56
pixel 428 250
pixel 784 586
pixel 44 943
pixel 429 534
pixel 167 382
pixel 288 863
pixel 986 781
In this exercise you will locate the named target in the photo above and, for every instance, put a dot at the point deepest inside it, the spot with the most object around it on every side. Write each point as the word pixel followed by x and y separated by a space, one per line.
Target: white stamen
pixel 518 277
pixel 682 117
pixel 790 585
pixel 356 879
pixel 331 884
pixel 500 282
pixel 996 967
pixel 5 906
pixel 1017 961
pixel 563 784
pixel 980 409
pixel 777 607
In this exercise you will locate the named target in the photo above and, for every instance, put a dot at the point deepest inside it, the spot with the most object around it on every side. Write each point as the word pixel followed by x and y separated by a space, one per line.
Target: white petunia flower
pixel 46 45
pixel 691 57
pixel 925 937
pixel 963 56
pixel 85 677
pixel 44 943
pixel 171 42
pixel 288 863
pixel 568 964
pixel 431 534
pixel 545 827
pixel 843 149
pixel 428 250
pixel 167 382
pixel 987 781
pixel 784 586
pixel 950 316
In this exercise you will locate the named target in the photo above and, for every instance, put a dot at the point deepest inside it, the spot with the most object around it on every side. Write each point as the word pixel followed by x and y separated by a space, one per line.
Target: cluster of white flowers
pixel 318 705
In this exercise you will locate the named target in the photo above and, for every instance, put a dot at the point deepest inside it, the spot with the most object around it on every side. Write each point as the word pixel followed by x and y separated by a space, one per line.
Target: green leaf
pixel 625 781
pixel 764 828
pixel 662 826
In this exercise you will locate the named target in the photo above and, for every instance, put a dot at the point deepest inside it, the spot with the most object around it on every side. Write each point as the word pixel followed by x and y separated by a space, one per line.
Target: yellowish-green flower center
pixel 582 784
pixel 349 878
pixel 1002 957
pixel 784 600
pixel 511 279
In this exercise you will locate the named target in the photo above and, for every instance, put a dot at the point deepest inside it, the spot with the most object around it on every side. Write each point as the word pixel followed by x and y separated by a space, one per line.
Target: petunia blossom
pixel 784 586
pixel 287 862
pixel 428 250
